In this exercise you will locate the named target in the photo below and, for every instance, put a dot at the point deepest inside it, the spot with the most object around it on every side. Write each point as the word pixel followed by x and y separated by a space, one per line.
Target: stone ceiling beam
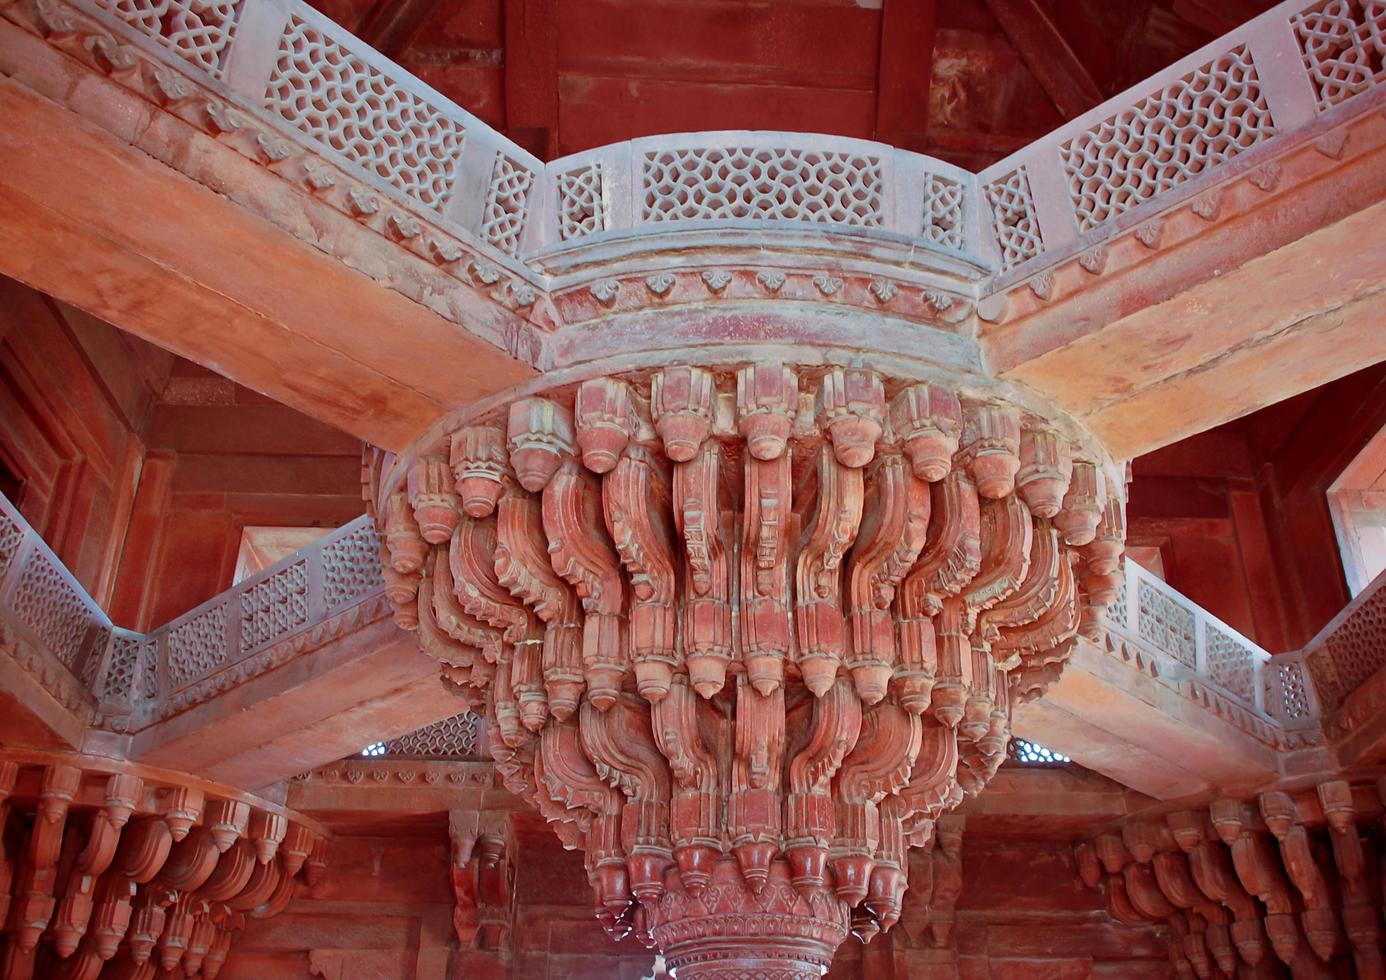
pixel 30 714
pixel 531 73
pixel 236 268
pixel 1111 716
pixel 1037 39
pixel 1234 298
pixel 908 30
pixel 367 685
pixel 1272 293
pixel 390 25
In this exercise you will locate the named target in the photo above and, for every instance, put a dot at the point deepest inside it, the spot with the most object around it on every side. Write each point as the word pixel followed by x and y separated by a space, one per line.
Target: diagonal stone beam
pixel 1278 298
pixel 367 685
pixel 1113 717
pixel 136 216
pixel 1159 301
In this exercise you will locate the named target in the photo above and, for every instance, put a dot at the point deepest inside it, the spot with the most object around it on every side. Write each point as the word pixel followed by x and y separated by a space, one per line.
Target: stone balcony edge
pixel 937 283
pixel 104 675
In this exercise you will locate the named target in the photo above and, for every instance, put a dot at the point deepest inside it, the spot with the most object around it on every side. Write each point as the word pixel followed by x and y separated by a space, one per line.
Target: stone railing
pixel 1221 112
pixel 48 623
pixel 129 678
pixel 712 183
pixel 322 109
pixel 1346 658
pixel 243 631
pixel 1185 646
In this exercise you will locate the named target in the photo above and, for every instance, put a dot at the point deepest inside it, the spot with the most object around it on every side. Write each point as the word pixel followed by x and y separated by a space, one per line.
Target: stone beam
pixel 1047 802
pixel 1158 299
pixel 1023 801
pixel 362 791
pixel 370 684
pixel 136 215
pixel 1040 44
pixel 31 715
pixel 908 32
pixel 1116 717
pixel 1274 294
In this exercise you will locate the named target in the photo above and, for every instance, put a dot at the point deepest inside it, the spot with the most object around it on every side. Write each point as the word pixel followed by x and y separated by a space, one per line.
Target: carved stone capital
pixel 745 633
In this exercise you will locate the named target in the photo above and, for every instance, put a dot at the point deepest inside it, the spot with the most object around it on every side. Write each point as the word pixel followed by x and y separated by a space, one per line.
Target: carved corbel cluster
pixel 1283 877
pixel 112 873
pixel 753 626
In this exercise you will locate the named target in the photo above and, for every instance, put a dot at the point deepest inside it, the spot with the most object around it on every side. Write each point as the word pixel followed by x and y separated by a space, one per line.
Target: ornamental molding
pixel 394 773
pixel 49 673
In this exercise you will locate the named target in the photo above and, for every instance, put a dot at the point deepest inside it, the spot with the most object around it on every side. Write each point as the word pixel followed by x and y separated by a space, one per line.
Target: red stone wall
pixel 556 935
pixel 68 431
pixel 1023 913
pixel 384 912
pixel 385 909
pixel 221 457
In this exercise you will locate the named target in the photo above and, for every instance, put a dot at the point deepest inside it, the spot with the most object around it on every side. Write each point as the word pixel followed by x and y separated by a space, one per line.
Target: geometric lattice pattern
pixel 451 738
pixel 1171 136
pixel 274 606
pixel 197 646
pixel 1294 700
pixel 149 671
pixel 1030 754
pixel 52 609
pixel 351 567
pixel 507 204
pixel 11 536
pixel 581 210
pixel 1116 612
pixel 337 98
pixel 1013 218
pixel 198 31
pixel 1229 663
pixel 93 661
pixel 120 673
pixel 1166 624
pixel 943 211
pixel 719 183
pixel 1357 648
pixel 1344 47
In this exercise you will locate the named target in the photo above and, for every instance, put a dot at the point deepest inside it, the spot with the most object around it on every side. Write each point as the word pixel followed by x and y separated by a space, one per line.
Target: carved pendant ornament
pixel 743 636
